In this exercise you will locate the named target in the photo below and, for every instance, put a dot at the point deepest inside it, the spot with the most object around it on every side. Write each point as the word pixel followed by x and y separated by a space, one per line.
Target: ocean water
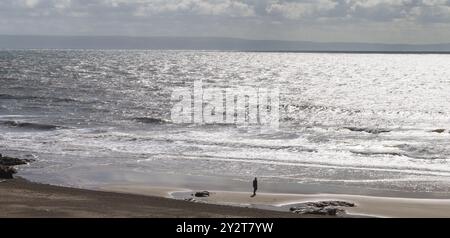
pixel 92 118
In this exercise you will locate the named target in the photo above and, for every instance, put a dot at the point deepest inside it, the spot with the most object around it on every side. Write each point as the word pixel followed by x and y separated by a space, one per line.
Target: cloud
pixel 229 8
pixel 421 11
pixel 300 10
pixel 240 18
pixel 31 3
pixel 371 10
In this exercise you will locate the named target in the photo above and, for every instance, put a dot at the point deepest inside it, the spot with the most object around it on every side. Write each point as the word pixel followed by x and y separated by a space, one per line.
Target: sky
pixel 380 21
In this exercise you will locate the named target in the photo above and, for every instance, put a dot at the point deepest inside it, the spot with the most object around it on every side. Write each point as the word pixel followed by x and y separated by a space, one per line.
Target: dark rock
pixel 328 208
pixel 10 161
pixel 202 194
pixel 7 172
pixel 330 203
pixel 438 131
pixel 6 166
pixel 327 211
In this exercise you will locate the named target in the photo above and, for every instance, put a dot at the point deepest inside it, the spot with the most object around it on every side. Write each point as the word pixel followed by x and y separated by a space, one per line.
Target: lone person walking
pixel 255 186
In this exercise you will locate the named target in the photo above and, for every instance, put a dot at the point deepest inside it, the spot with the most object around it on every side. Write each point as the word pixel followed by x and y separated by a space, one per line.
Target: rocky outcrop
pixel 327 208
pixel 7 164
pixel 202 194
pixel 6 172
pixel 10 161
pixel 329 203
pixel 326 211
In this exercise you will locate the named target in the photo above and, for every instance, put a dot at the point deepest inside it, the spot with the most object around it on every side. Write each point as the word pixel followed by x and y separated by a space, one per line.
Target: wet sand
pixel 22 199
pixel 367 206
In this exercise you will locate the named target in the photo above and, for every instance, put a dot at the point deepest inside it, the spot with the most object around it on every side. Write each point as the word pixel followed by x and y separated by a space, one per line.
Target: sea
pixel 359 121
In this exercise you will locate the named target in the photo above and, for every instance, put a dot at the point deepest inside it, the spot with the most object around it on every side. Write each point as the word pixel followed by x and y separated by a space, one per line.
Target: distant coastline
pixel 211 43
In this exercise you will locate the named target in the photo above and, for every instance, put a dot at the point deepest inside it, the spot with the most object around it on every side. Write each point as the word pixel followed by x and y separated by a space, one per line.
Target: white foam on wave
pixel 223 146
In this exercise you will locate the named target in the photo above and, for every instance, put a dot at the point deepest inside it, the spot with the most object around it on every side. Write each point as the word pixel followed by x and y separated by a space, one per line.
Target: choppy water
pixel 361 120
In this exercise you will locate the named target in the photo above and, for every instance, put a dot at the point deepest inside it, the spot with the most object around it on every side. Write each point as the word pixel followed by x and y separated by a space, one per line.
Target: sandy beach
pixel 22 199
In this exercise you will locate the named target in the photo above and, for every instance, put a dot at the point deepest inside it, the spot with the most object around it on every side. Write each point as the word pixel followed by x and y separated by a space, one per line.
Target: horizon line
pixel 227 38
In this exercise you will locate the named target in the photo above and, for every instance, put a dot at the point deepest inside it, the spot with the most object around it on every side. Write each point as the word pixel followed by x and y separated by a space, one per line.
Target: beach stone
pixel 6 172
pixel 202 194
